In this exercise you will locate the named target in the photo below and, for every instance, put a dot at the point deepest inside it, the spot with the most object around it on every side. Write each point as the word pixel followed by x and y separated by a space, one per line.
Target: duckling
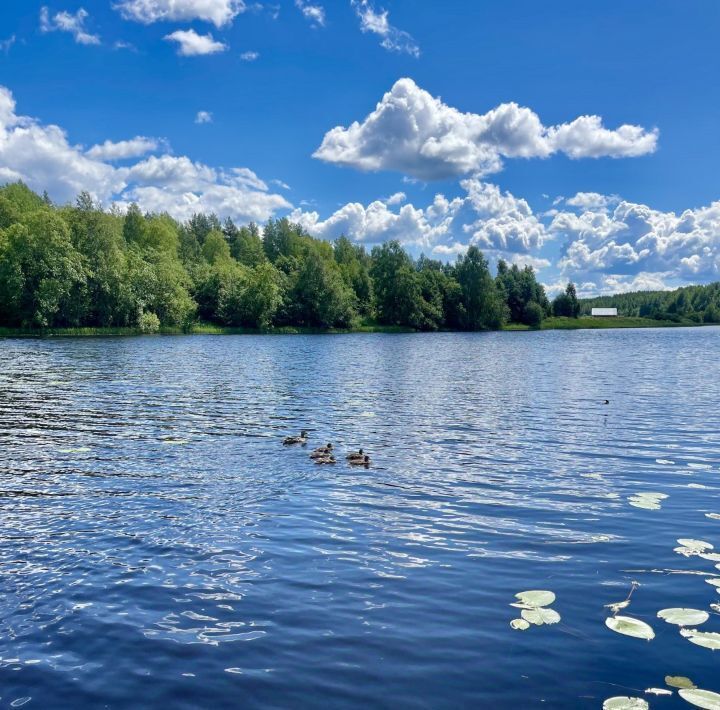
pixel 322 460
pixel 290 440
pixel 322 451
pixel 356 456
pixel 364 461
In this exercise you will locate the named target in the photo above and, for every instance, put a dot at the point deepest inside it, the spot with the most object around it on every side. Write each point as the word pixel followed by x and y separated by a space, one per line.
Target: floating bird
pixel 302 439
pixel 321 460
pixel 356 456
pixel 364 461
pixel 322 451
pixel 607 401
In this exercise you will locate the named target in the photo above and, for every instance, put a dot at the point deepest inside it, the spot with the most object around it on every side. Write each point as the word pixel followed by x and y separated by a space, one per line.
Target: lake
pixel 160 547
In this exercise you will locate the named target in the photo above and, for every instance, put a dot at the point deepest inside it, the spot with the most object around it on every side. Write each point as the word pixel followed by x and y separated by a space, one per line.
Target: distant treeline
pixel 77 265
pixel 699 304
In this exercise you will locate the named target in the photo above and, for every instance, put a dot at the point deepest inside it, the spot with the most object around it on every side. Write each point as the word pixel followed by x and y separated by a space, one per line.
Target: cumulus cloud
pixel 497 222
pixel 377 22
pixel 412 132
pixel 67 22
pixel 249 56
pixel 203 117
pixel 217 12
pixel 633 239
pixel 192 44
pixel 315 14
pixel 42 156
pixel 122 150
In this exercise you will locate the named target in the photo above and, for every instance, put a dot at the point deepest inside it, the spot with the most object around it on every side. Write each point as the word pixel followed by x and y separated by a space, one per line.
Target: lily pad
pixel 715 608
pixel 684 617
pixel 715 581
pixel 658 691
pixel 679 681
pixel 519 624
pixel 713 516
pixel 622 702
pixel 536 598
pixel 701 698
pixel 628 626
pixel 699 545
pixel 540 616
pixel 706 639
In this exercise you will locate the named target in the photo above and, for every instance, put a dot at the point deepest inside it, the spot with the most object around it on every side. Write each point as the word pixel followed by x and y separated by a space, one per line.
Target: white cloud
pixel 497 222
pixel 412 132
pixel 218 12
pixel 504 222
pixel 589 201
pixel 6 44
pixel 250 56
pixel 66 22
pixel 122 44
pixel 314 13
pixel 203 117
pixel 41 156
pixel 191 44
pixel 634 239
pixel 377 22
pixel 122 150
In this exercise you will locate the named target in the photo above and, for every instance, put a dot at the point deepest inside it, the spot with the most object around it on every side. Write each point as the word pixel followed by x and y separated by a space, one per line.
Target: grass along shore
pixel 552 323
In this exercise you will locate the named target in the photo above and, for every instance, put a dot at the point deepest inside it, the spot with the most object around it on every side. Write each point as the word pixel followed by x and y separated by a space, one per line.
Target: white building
pixel 604 312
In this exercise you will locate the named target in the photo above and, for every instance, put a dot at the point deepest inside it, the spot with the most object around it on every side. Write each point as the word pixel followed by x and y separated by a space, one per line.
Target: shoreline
pixel 553 323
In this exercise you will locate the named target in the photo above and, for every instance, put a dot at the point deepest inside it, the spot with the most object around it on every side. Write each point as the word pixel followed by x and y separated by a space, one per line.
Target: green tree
pixel 481 300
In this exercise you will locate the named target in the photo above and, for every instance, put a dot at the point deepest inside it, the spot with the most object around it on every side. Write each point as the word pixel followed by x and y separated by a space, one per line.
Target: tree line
pixel 697 304
pixel 81 266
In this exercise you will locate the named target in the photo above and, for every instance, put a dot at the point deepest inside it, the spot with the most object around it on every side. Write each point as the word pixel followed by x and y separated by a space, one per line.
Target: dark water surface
pixel 160 548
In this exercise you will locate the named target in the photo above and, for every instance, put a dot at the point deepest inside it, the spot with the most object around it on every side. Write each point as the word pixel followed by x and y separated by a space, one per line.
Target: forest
pixel 696 304
pixel 71 266
pixel 81 266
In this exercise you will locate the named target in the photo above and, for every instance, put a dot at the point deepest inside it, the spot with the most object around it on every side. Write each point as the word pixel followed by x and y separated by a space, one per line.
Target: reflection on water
pixel 158 544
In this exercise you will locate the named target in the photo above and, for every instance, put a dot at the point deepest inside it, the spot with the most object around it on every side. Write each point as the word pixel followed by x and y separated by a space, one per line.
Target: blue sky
pixel 471 122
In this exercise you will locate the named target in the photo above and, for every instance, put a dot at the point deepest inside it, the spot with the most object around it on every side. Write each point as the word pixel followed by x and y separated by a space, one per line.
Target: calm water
pixel 160 548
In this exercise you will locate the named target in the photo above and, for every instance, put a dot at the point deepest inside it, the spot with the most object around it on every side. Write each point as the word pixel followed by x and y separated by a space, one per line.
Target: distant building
pixel 604 312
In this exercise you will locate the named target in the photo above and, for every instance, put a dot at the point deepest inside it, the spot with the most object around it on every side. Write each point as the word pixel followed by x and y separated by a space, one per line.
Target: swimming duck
pixel 302 439
pixel 607 401
pixel 364 461
pixel 356 456
pixel 322 451
pixel 321 460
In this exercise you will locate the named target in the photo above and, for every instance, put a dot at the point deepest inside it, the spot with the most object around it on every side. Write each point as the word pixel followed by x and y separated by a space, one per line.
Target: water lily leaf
pixel 628 626
pixel 713 516
pixel 715 581
pixel 540 616
pixel 684 617
pixel 699 545
pixel 536 597
pixel 679 681
pixel 701 698
pixel 712 556
pixel 658 691
pixel 519 624
pixel 706 639
pixel 715 607
pixel 645 503
pixel 622 702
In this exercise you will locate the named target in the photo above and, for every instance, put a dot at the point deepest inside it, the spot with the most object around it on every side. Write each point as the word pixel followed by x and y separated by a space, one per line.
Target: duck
pixel 322 451
pixel 356 456
pixel 364 461
pixel 607 401
pixel 290 440
pixel 322 460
